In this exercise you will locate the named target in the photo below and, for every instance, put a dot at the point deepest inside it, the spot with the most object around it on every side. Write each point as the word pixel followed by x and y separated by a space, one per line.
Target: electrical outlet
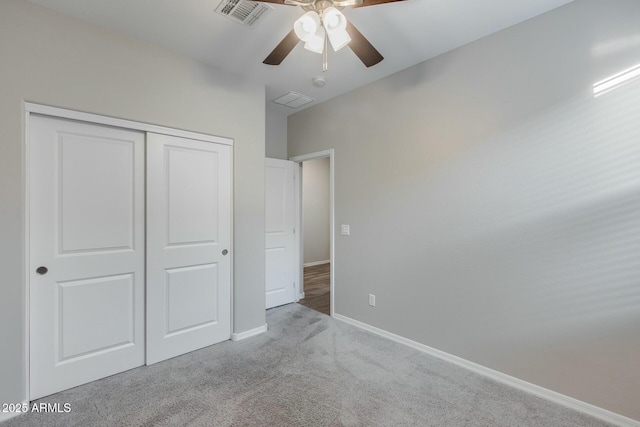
pixel 372 300
pixel 345 230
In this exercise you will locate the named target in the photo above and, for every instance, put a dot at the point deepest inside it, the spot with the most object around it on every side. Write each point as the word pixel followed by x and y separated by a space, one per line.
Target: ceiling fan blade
pixel 283 49
pixel 362 48
pixel 374 2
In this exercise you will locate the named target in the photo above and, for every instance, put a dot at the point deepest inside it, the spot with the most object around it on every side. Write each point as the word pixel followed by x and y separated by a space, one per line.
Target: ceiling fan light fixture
pixel 336 30
pixel 336 25
pixel 307 26
pixel 316 42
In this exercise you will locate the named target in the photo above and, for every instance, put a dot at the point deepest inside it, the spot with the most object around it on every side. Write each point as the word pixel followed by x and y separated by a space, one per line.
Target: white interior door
pixel 188 245
pixel 280 257
pixel 86 258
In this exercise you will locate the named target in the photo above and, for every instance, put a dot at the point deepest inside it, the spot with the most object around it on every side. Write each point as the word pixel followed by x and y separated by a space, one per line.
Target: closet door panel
pixel 86 260
pixel 188 244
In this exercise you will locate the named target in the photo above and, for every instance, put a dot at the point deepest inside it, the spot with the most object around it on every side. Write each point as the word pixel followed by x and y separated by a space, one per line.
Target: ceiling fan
pixel 322 23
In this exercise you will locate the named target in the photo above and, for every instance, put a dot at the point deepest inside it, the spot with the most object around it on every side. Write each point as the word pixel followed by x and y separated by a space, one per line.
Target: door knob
pixel 42 270
pixel 224 252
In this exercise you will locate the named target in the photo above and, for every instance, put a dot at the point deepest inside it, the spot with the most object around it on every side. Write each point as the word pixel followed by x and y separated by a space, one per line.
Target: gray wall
pixel 494 203
pixel 276 138
pixel 315 210
pixel 51 59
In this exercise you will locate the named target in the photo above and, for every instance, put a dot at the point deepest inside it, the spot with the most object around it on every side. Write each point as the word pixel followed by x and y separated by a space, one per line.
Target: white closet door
pixel 280 255
pixel 188 244
pixel 86 252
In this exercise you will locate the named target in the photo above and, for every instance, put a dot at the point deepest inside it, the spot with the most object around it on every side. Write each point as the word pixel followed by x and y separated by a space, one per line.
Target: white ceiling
pixel 406 33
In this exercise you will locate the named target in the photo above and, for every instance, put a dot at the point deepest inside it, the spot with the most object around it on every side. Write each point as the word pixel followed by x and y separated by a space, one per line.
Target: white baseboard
pixel 301 296
pixel 4 416
pixel 250 333
pixel 314 263
pixel 560 399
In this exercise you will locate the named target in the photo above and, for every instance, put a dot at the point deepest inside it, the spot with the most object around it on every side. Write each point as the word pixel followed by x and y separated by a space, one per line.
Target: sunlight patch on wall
pixel 616 81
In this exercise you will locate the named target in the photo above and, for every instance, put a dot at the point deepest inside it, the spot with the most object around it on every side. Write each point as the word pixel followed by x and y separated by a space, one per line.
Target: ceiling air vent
pixel 243 12
pixel 293 100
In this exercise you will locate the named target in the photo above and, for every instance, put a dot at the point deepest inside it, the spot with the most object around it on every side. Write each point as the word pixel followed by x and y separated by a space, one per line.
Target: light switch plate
pixel 345 230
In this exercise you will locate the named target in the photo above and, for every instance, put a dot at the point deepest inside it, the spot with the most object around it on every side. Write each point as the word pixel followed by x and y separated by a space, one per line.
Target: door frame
pixel 29 109
pixel 330 153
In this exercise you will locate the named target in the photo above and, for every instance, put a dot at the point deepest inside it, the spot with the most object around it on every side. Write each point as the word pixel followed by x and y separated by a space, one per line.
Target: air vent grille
pixel 243 12
pixel 293 100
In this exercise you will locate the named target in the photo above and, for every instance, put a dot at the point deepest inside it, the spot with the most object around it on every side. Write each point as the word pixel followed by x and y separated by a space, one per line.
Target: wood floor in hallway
pixel 317 287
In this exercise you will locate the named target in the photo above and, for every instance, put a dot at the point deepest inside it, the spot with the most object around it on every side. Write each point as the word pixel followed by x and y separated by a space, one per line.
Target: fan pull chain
pixel 325 55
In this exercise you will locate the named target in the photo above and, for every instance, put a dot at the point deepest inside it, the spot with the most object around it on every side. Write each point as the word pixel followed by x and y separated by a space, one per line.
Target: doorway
pixel 316 216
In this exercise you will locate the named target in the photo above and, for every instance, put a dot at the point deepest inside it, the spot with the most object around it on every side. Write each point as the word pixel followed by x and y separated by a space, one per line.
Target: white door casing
pixel 86 224
pixel 330 153
pixel 281 250
pixel 188 245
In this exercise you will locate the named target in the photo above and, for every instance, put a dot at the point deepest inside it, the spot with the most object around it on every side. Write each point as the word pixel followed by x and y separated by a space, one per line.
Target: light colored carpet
pixel 307 370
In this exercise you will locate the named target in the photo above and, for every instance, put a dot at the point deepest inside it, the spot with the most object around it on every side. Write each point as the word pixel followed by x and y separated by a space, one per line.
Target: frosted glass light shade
pixel 336 25
pixel 333 19
pixel 339 39
pixel 307 26
pixel 316 43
